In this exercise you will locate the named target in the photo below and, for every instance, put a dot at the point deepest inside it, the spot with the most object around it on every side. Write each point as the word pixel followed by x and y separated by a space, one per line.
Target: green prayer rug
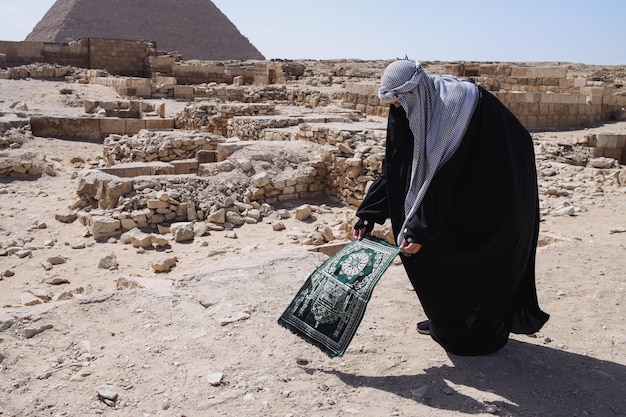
pixel 330 305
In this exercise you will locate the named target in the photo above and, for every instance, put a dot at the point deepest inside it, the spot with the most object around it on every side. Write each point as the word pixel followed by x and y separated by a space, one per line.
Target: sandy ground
pixel 202 340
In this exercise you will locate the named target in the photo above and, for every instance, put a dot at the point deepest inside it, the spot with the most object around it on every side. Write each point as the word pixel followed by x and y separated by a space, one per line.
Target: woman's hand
pixel 410 248
pixel 360 233
pixel 362 228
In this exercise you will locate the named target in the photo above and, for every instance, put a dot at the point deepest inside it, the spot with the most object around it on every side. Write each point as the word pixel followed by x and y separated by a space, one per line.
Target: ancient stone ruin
pixel 195 29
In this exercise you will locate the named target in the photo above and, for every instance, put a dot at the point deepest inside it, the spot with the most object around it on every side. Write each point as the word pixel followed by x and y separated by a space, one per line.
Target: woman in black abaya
pixel 460 186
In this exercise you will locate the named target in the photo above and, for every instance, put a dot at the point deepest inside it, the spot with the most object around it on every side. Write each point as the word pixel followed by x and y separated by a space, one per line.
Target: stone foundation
pixel 93 128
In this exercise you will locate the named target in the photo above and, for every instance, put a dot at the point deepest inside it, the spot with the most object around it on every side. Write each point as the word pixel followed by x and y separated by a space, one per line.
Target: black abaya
pixel 478 226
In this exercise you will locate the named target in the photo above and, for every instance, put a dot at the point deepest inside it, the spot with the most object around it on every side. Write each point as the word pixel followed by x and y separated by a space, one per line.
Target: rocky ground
pixel 202 339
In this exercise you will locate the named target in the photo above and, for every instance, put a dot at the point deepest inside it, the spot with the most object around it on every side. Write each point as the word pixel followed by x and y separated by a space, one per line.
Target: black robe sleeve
pixel 374 207
pixel 385 198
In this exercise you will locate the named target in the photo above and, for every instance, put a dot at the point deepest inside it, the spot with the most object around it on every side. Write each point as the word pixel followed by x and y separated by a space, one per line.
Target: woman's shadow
pixel 522 380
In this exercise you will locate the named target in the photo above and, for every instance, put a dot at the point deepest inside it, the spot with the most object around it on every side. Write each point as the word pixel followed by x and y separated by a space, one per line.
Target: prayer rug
pixel 330 305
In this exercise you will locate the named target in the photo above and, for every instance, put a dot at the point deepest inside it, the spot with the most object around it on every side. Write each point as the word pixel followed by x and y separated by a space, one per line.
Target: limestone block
pixel 613 141
pixel 128 224
pixel 155 204
pixel 183 91
pixel 112 125
pixel 159 123
pixel 362 88
pixel 539 72
pixel 133 126
pixel 102 226
pixel 66 127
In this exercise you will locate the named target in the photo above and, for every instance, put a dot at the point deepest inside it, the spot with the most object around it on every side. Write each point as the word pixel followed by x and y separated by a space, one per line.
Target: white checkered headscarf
pixel 439 109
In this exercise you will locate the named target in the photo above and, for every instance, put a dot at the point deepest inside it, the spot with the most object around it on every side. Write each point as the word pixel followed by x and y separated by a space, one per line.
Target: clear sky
pixel 589 32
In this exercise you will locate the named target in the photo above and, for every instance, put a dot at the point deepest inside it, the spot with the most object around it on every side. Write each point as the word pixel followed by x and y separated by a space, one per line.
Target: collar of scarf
pixel 439 109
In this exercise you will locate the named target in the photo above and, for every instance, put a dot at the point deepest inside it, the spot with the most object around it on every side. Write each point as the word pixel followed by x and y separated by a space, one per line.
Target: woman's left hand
pixel 410 248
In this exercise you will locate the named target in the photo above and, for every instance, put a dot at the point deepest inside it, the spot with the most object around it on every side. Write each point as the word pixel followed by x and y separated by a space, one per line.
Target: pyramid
pixel 196 29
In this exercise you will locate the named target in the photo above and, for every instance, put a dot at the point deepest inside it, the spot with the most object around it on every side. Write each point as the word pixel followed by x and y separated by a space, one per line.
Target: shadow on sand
pixel 521 380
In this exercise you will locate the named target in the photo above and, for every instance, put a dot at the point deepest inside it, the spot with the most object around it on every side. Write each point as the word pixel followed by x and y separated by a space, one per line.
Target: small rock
pixel 159 241
pixel 230 320
pixel 184 234
pixel 164 264
pixel 565 211
pixel 277 227
pixel 30 332
pixel 218 216
pixel 215 379
pixel 108 262
pixel 420 392
pixel 230 235
pixel 107 394
pixel 199 229
pixel 23 253
pixel 56 260
pixel 261 179
pixel 303 212
pixel 67 217
pixel 78 245
pixel 56 281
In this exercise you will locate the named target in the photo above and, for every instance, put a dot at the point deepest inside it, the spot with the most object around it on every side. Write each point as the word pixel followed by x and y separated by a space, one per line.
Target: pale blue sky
pixel 590 32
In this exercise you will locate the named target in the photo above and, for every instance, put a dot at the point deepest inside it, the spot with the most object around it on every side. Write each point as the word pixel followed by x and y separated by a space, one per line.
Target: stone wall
pixel 163 146
pixel 23 53
pixel 93 128
pixel 351 157
pixel 119 57
pixel 48 72
pixel 213 118
pixel 583 105
pixel 124 86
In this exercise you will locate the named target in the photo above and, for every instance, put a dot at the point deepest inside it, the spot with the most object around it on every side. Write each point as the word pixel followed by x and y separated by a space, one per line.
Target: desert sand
pixel 203 339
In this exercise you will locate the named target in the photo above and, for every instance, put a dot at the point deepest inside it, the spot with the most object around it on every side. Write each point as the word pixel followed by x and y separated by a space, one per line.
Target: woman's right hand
pixel 359 233
pixel 362 228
